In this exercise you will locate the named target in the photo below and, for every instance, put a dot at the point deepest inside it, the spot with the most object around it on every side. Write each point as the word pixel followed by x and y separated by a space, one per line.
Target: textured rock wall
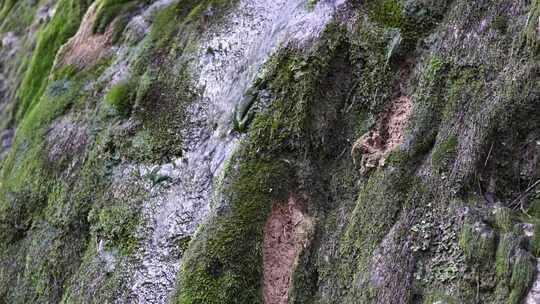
pixel 181 151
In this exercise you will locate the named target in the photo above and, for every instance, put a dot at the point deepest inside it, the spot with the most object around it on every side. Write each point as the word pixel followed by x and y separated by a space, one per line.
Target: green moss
pixel 413 18
pixel 63 25
pixel 530 34
pixel 165 25
pixel 429 96
pixel 50 223
pixel 224 261
pixel 445 152
pixel 535 241
pixel 500 24
pixel 165 88
pixel 160 104
pixel 374 89
pixel 387 12
pixel 440 298
pixel 229 270
pixel 376 211
pixel 304 280
pixel 117 224
pixel 396 157
pixel 109 10
pixel 433 69
pixel 504 219
pixel 534 206
pixel 26 155
pixel 121 96
pixel 312 3
pixel 186 17
pixel 15 16
pixel 91 268
pixel 503 258
pixel 523 271
pixel 184 243
pixel 478 244
pixel 465 85
pixel 6 7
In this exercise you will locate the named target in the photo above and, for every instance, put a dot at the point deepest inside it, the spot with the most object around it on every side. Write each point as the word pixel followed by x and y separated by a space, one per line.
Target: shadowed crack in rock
pixel 286 233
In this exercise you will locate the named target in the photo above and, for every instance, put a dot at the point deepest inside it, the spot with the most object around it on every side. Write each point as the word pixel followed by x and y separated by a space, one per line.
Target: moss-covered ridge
pixel 62 26
pixel 223 264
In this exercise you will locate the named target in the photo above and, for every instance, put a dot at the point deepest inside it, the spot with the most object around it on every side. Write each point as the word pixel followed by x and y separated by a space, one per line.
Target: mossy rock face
pixel 523 272
pixel 445 153
pixel 229 269
pixel 504 219
pixel 451 216
pixel 62 26
pixel 508 244
pixel 120 10
pixel 478 243
pixel 120 97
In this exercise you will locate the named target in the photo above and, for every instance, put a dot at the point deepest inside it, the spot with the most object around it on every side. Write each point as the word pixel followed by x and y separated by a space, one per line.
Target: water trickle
pixel 229 58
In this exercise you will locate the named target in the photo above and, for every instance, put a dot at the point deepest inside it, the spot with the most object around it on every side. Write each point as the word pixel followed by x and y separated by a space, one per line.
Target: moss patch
pixel 445 152
pixel 63 25
pixel 478 244
pixel 112 9
pixel 523 271
pixel 224 261
pixel 121 96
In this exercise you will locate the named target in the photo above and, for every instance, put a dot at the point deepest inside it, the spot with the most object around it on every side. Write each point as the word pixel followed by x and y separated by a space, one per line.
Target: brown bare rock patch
pixel 396 120
pixel 287 232
pixel 86 48
pixel 370 150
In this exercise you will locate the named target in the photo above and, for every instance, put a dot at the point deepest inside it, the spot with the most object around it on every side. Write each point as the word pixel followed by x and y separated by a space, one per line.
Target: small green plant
pixel 244 113
pixel 156 178
pixel 394 43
